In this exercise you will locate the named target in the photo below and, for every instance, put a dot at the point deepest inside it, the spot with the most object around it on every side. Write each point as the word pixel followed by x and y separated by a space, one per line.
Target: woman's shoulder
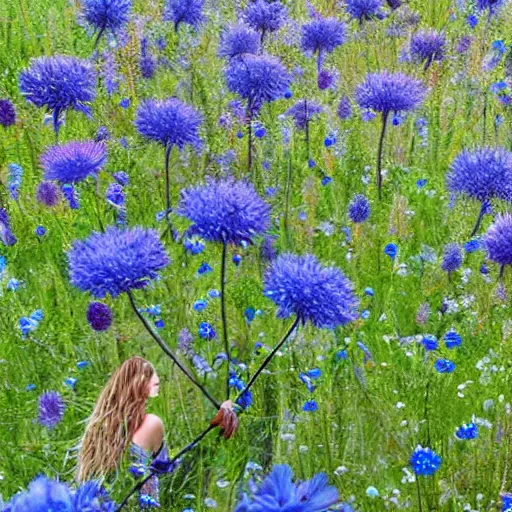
pixel 150 434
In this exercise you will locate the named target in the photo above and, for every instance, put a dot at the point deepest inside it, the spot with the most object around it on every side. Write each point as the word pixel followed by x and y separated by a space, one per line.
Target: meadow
pixel 352 397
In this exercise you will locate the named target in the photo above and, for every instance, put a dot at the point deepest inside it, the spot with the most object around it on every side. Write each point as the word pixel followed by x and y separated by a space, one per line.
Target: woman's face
pixel 154 385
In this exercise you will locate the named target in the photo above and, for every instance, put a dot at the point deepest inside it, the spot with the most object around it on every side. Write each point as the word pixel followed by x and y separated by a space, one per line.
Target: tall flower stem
pixel 420 509
pixel 479 219
pixel 168 150
pixel 249 143
pixel 97 40
pixel 56 124
pixel 379 152
pixel 223 313
pixel 288 187
pixel 269 358
pixel 170 353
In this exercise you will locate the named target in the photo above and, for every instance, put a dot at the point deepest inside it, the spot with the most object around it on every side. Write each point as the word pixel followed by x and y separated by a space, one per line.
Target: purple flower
pixel 315 293
pixel 169 122
pixel 385 92
pixel 498 240
pixel 102 134
pixel 99 316
pixel 7 113
pixel 324 79
pixel 74 161
pixel 147 61
pixel 323 35
pixel 116 261
pixel 427 46
pixel 265 16
pixel 122 178
pixel 394 4
pixel 226 211
pixel 359 209
pixel 463 44
pixel 59 83
pixel 42 494
pixel 267 251
pixel 302 112
pixel 189 12
pixel 452 258
pixel 344 108
pixel 51 409
pixel 115 195
pixel 71 195
pixel 48 194
pixel 107 14
pixel 491 5
pixel 6 235
pixel 278 493
pixel 238 40
pixel 482 174
pixel 364 9
pixel 109 74
pixel 258 79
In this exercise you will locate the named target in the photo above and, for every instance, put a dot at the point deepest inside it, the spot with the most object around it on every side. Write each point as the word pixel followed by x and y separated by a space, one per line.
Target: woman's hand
pixel 226 419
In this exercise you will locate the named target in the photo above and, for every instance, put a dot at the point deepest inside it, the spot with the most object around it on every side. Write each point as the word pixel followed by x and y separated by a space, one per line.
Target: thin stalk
pixel 249 143
pixel 223 313
pixel 168 150
pixel 97 40
pixel 420 509
pixel 379 153
pixel 288 187
pixel 479 220
pixel 307 128
pixel 170 353
pixel 502 273
pixel 56 124
pixel 269 358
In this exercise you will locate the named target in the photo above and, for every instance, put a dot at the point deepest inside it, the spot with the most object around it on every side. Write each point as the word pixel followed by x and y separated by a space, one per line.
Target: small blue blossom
pixel 429 342
pixel 200 305
pixel 207 331
pixel 452 339
pixel 391 250
pixel 310 406
pixel 424 461
pixel 467 431
pixel 204 268
pixel 444 366
pixel 40 231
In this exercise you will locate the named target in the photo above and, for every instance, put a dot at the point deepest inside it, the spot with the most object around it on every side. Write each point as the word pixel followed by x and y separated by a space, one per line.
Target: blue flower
pixel 122 178
pixel 301 285
pixel 302 112
pixel 429 341
pixel 42 495
pixel 344 110
pixel 506 499
pixel 206 331
pixel 74 161
pixel 200 305
pixel 310 406
pixel 258 79
pixel 265 16
pixel 116 261
pixel 359 209
pixel 51 409
pixel 467 431
pixel 314 373
pixel 452 257
pixel 225 211
pixel 482 174
pixel 82 364
pixel 115 195
pixel 169 122
pixel 107 14
pixel 48 193
pixel 364 9
pixel 385 92
pixel 189 12
pixel 498 240
pixel 99 316
pixel 238 40
pixel 427 46
pixel 323 35
pixel 326 180
pixel 40 231
pixel 194 245
pixel 391 250
pixel 278 493
pixel 452 339
pixel 424 461
pixel 491 5
pixel 444 366
pixel 472 246
pixel 7 113
pixel 6 235
pixel 71 382
pixel 59 83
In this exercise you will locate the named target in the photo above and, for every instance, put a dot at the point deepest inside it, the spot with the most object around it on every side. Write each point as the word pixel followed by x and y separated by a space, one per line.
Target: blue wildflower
pixel 323 35
pixel 206 331
pixel 467 431
pixel 498 240
pixel 40 231
pixel 51 409
pixel 452 339
pixel 310 406
pixel 99 316
pixel 7 113
pixel 491 5
pixel 225 211
pixel 122 178
pixel 427 46
pixel 429 341
pixel 48 194
pixel 6 235
pixel 189 12
pixel 107 14
pixel 444 366
pixel 344 110
pixel 301 285
pixel 194 245
pixel 359 208
pixel 70 382
pixel 302 112
pixel 506 505
pixel 364 9
pixel 200 305
pixel 205 268
pixel 116 261
pixel 472 246
pixel 424 461
pixel 452 258
pixel 14 179
pixel 238 40
pixel 391 250
pixel 71 195
pixel 42 494
pixel 265 17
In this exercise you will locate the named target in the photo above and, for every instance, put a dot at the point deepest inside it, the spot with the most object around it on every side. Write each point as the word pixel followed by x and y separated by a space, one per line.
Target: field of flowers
pixel 307 198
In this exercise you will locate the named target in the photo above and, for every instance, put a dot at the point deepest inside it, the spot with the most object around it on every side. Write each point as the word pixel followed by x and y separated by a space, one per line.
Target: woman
pixel 119 421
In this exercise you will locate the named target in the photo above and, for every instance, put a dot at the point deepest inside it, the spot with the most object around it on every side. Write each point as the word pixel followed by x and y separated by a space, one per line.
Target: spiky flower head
pixel 323 35
pixel 225 211
pixel 390 92
pixel 265 16
pixel 99 316
pixel 116 261
pixel 364 9
pixel 359 209
pixel 427 45
pixel 302 112
pixel 278 492
pixel 498 240
pixel 258 79
pixel 169 122
pixel 107 14
pixel 59 83
pixel 42 494
pixel 491 5
pixel 482 174
pixel 51 409
pixel 424 461
pixel 189 12
pixel 74 161
pixel 238 40
pixel 301 285
pixel 6 235
pixel 48 193
pixel 7 113
pixel 452 257
pixel 344 110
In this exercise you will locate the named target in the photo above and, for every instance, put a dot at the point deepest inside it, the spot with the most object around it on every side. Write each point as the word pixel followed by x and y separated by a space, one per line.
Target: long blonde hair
pixel 118 413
